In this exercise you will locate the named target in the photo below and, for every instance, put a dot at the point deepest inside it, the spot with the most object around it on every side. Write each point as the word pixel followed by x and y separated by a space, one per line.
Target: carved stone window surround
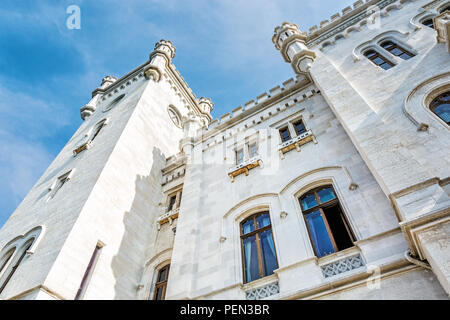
pixel 244 167
pixel 296 142
pixel 341 262
pixel 257 289
pixel 416 105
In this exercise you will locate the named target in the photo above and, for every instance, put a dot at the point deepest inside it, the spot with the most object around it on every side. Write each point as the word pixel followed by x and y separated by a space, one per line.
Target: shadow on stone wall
pixel 139 223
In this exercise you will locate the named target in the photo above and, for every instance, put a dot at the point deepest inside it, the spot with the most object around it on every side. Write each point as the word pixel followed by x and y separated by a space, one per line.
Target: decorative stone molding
pixel 391 35
pixel 292 45
pixel 89 109
pixel 356 17
pixel 344 265
pixel 416 103
pixel 167 217
pixel 206 105
pixel 152 73
pixel 263 291
pixel 244 167
pixel 442 26
pixel 87 139
pixel 296 142
pixel 85 146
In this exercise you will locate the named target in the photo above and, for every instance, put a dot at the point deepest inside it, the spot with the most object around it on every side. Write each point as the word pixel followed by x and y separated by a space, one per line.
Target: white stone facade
pixel 151 180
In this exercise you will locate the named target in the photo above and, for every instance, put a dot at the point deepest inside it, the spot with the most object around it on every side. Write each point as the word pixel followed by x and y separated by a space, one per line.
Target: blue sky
pixel 47 71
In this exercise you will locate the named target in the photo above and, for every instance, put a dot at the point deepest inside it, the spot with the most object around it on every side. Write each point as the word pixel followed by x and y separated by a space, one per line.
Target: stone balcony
pixel 169 216
pixel 244 167
pixel 82 147
pixel 296 142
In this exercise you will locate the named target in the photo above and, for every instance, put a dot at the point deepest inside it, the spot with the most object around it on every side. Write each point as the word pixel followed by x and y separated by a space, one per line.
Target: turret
pixel 88 109
pixel 291 42
pixel 160 58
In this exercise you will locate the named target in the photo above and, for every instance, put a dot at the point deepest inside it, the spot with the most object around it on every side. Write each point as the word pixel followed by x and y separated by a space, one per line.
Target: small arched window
pixel 113 103
pixel 428 22
pixel 378 60
pixel 15 264
pixel 327 225
pixel 161 283
pixel 396 50
pixel 258 249
pixel 441 106
pixel 5 259
pixel 445 8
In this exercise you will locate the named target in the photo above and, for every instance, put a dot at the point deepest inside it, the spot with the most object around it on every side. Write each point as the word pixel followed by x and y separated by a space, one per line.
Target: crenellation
pixel 165 184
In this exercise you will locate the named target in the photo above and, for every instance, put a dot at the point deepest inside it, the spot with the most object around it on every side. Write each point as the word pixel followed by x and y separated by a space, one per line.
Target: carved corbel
pixel 152 72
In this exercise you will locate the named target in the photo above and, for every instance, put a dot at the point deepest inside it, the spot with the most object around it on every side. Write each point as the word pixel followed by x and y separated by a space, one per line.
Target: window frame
pixel 286 127
pixel 256 233
pixel 163 284
pixel 428 19
pixel 444 8
pixel 90 269
pixel 320 205
pixel 294 124
pixel 394 45
pixel 237 152
pixel 249 146
pixel 14 262
pixel 378 55
pixel 432 108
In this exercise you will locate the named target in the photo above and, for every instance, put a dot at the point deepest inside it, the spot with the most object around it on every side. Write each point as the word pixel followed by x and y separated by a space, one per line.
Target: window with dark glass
pixel 445 9
pixel 378 60
pixel 441 106
pixel 285 135
pixel 16 265
pixel 97 129
pixel 327 226
pixel 172 201
pixel 258 249
pixel 252 150
pixel 299 127
pixel 428 23
pixel 88 272
pixel 396 50
pixel 6 259
pixel 239 156
pixel 161 283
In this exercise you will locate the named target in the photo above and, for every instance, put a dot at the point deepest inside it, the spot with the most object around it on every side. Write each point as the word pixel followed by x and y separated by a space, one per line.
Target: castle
pixel 333 185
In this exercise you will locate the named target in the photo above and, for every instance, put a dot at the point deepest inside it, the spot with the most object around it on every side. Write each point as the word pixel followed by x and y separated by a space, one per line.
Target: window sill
pixel 296 142
pixel 82 147
pixel 244 167
pixel 341 262
pixel 167 217
pixel 262 288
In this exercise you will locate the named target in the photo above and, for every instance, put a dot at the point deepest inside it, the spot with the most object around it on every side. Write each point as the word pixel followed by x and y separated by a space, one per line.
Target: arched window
pixel 445 8
pixel 258 249
pixel 396 50
pixel 161 283
pixel 378 60
pixel 327 226
pixel 113 103
pixel 5 259
pixel 10 272
pixel 428 22
pixel 441 106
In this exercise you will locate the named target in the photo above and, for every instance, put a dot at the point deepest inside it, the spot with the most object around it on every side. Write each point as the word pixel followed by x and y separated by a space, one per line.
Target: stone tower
pixel 99 199
pixel 333 185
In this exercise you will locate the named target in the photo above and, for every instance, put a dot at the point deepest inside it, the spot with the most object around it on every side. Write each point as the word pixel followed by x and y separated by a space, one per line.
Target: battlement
pixel 261 100
pixel 349 16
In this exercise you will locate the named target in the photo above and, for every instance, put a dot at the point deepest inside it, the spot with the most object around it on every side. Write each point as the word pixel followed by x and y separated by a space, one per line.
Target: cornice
pixel 252 107
pixel 339 23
